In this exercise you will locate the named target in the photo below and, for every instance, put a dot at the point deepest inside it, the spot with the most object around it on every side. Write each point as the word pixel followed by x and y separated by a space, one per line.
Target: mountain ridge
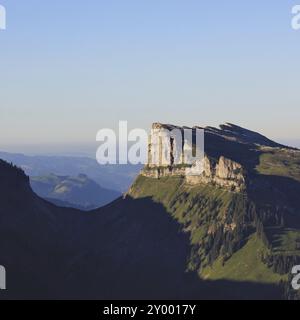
pixel 80 192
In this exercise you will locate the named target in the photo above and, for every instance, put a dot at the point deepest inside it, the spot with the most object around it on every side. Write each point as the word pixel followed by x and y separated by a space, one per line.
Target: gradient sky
pixel 69 68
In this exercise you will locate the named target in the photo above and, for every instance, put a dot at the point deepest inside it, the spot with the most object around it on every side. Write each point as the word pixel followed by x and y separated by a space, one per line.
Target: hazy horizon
pixel 85 150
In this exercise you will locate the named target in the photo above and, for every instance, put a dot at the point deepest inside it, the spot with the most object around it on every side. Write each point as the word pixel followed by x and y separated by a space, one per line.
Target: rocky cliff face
pixel 168 156
pixel 166 146
pixel 225 173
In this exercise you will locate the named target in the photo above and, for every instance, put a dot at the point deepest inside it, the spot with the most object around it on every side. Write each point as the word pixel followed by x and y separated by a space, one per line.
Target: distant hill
pixel 78 192
pixel 114 177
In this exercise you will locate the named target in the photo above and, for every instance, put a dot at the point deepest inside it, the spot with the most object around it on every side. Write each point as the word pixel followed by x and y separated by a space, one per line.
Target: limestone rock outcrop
pixel 167 156
pixel 225 173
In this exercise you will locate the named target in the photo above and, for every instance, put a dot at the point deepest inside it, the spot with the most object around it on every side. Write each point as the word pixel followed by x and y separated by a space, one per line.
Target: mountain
pixel 242 212
pixel 78 192
pixel 114 177
pixel 230 233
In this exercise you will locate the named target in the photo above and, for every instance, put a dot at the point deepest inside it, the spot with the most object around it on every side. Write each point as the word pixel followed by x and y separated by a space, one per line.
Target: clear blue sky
pixel 69 68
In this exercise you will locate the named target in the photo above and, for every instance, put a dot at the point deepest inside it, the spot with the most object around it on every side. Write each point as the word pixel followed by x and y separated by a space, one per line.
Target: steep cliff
pixel 167 156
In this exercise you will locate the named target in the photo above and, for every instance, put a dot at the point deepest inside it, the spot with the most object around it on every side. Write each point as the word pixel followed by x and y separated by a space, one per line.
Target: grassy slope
pixel 196 207
pixel 199 209
pixel 283 163
pixel 244 265
pixel 280 162
pixel 284 240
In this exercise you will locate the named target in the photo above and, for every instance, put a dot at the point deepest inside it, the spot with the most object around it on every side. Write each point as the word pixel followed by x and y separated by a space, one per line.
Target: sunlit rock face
pixel 165 146
pixel 226 173
pixel 175 146
pixel 170 153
